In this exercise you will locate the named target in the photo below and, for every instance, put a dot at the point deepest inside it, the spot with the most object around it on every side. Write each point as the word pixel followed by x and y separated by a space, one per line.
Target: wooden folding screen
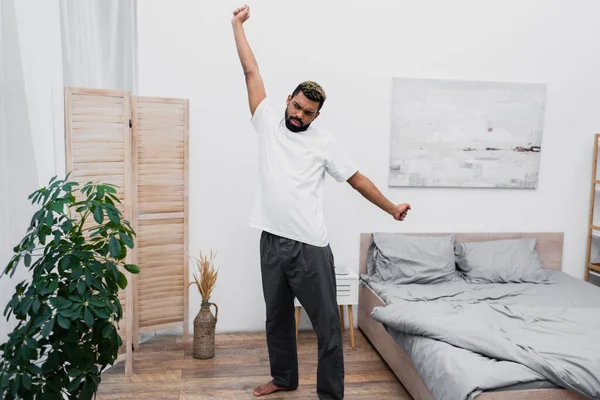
pixel 160 164
pixel 139 144
pixel 98 149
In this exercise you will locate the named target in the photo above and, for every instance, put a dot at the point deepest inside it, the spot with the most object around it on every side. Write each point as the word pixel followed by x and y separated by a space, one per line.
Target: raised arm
pixel 254 82
pixel 367 188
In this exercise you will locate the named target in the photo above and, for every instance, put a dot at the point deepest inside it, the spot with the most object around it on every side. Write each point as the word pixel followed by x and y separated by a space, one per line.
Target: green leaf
pixel 34 369
pixel 97 267
pixel 94 235
pixel 40 319
pixel 77 273
pixel 98 214
pixel 113 214
pixel 67 225
pixel 61 303
pixel 108 200
pixel 74 384
pixel 87 391
pixel 5 380
pixel 81 287
pixel 117 304
pixel 54 384
pixel 88 317
pixel 75 299
pixel 134 269
pixel 114 247
pixel 50 218
pixel 72 313
pixel 48 327
pixel 101 313
pixel 96 302
pixel 53 285
pixel 110 266
pixel 64 263
pixel 112 199
pixel 110 189
pixel 31 343
pixel 128 240
pixel 58 207
pixel 27 259
pixel 26 304
pixel 52 362
pixel 76 310
pixel 15 385
pixel 13 302
pixel 107 331
pixel 64 323
pixel 74 372
pixel 36 305
pixel 26 353
pixel 99 287
pixel 26 381
pixel 54 301
pixel 123 253
pixel 89 278
pixel 121 280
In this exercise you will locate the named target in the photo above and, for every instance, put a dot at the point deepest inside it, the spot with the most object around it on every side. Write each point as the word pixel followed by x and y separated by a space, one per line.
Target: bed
pixel 432 362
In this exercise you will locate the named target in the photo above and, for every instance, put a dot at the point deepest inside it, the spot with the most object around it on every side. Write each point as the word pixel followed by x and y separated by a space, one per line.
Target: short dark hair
pixel 312 90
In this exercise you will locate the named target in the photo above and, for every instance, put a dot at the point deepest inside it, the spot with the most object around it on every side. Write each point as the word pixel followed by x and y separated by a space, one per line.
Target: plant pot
pixel 204 331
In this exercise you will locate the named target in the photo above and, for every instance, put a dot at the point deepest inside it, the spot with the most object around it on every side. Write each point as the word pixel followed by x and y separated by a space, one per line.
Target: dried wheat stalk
pixel 205 275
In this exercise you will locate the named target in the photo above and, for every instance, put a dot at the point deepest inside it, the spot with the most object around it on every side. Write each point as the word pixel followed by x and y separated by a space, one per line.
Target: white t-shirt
pixel 292 166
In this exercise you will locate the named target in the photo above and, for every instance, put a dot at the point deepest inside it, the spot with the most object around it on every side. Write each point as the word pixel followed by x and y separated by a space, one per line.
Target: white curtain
pixel 99 44
pixel 30 81
pixel 44 45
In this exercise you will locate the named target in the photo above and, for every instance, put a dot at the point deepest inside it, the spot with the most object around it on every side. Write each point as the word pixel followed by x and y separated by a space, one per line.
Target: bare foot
pixel 267 388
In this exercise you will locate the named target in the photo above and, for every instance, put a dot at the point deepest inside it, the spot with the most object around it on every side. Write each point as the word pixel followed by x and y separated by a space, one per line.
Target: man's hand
pixel 364 186
pixel 401 211
pixel 241 15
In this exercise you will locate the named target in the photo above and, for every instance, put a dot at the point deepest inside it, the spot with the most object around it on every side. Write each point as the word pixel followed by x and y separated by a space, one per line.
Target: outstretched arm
pixel 365 187
pixel 254 82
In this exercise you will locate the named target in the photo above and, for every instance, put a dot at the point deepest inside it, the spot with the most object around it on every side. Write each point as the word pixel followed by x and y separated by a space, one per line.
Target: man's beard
pixel 293 127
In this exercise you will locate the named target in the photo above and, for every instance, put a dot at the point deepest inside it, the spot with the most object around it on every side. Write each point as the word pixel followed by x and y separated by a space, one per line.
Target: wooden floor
pixel 165 369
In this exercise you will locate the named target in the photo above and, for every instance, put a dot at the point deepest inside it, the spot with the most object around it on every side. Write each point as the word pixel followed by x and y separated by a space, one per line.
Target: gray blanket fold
pixel 561 344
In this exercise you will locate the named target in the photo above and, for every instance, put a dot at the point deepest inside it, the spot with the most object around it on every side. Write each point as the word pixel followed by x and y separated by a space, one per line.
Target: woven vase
pixel 204 331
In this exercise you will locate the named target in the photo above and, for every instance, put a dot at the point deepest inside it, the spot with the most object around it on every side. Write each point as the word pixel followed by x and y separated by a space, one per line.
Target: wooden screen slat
pixel 99 149
pixel 160 174
pixel 160 257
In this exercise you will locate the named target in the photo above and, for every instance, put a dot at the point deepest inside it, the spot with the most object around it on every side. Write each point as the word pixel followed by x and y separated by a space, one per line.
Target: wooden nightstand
pixel 347 295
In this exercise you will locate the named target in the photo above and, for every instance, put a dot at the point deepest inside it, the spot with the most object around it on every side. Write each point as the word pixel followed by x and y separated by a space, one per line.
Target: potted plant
pixel 205 278
pixel 68 308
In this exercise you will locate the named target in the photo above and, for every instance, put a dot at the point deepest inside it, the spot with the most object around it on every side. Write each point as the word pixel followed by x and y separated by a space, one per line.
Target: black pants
pixel 290 268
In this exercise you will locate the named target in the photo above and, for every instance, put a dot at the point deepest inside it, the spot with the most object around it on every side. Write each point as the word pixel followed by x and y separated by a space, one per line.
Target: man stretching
pixel 296 259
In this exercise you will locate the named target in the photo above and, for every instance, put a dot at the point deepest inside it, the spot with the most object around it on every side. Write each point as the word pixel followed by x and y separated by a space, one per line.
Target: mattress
pixel 453 372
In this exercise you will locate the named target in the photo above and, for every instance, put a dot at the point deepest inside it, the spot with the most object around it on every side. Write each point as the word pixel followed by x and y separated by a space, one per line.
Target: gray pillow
pixel 411 259
pixel 500 261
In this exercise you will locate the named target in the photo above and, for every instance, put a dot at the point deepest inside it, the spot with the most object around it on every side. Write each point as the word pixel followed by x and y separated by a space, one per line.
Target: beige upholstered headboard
pixel 549 244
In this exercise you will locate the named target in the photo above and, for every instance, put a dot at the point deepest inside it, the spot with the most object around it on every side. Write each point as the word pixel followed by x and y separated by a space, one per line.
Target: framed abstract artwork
pixel 452 133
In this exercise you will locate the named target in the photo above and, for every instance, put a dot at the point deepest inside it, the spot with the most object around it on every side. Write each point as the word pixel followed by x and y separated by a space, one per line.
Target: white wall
pixel 353 49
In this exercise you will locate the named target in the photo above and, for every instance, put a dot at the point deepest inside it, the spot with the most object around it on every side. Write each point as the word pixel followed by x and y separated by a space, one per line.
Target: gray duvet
pixel 468 338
